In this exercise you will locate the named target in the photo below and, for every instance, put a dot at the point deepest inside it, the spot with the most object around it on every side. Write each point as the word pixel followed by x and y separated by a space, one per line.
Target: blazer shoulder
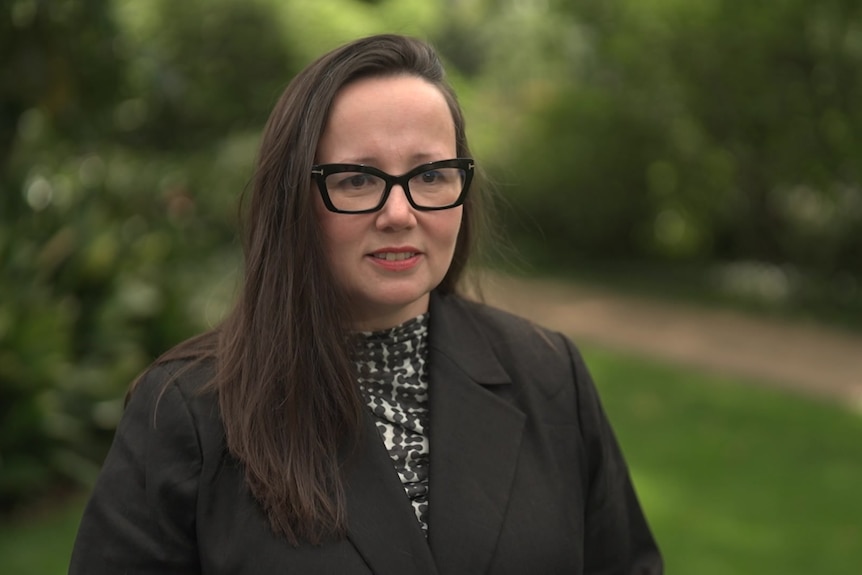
pixel 189 376
pixel 500 325
pixel 480 335
pixel 166 386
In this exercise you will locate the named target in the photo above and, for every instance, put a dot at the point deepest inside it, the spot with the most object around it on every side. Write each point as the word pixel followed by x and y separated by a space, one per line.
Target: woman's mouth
pixel 393 256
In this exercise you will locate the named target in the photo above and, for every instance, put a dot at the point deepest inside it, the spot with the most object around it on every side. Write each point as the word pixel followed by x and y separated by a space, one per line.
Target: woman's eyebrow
pixel 415 159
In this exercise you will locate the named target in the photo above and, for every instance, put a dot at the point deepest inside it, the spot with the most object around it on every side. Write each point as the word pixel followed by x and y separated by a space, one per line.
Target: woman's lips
pixel 396 259
pixel 393 256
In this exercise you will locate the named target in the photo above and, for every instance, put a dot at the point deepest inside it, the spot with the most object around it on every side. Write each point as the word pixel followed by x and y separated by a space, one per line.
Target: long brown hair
pixel 285 376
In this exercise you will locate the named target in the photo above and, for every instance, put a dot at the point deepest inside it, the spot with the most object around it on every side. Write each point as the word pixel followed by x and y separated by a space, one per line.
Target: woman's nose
pixel 397 211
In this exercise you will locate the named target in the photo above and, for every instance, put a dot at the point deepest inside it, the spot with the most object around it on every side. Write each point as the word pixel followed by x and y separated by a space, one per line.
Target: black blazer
pixel 525 478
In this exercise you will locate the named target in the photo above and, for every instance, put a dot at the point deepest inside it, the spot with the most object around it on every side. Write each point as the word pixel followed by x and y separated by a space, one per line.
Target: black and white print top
pixel 394 380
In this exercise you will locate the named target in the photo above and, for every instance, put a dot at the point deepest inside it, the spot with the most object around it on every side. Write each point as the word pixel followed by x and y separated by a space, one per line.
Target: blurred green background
pixel 703 150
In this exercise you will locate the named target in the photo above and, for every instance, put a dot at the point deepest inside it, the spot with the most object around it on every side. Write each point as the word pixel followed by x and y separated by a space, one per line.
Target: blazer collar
pixel 455 334
pixel 381 521
pixel 475 437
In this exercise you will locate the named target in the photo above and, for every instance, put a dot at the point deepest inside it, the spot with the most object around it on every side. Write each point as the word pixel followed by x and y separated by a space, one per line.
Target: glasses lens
pixel 354 191
pixel 437 187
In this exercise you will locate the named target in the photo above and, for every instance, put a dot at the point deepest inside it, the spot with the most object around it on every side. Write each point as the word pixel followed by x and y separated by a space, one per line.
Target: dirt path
pixel 806 358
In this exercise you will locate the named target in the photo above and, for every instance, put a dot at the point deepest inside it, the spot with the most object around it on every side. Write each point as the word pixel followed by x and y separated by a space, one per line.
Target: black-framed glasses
pixel 360 189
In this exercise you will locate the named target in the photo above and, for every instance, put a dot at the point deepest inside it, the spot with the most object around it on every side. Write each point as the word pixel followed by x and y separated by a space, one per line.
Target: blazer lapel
pixel 475 437
pixel 381 522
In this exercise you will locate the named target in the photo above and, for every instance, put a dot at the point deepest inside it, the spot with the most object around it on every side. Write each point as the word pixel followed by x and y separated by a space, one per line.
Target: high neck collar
pixel 402 332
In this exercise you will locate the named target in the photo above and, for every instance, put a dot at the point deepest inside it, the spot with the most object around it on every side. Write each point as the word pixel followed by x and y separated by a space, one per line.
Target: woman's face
pixel 389 260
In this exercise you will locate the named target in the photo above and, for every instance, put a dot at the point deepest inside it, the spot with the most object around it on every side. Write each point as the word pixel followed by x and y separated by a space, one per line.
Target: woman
pixel 353 414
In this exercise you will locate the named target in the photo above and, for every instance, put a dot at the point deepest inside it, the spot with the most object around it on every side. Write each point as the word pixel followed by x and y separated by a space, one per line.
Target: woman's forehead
pixel 387 118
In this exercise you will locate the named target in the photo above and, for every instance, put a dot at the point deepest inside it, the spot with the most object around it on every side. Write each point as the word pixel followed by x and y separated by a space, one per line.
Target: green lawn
pixel 42 544
pixel 736 478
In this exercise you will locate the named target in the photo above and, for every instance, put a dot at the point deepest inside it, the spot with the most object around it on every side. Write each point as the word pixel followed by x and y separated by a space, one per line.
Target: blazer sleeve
pixel 140 518
pixel 617 537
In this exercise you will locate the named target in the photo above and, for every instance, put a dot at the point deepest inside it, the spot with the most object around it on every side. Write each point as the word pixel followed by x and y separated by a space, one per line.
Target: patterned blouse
pixel 394 380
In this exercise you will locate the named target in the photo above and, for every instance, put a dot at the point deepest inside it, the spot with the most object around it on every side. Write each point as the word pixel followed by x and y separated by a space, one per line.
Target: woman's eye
pixel 354 181
pixel 431 177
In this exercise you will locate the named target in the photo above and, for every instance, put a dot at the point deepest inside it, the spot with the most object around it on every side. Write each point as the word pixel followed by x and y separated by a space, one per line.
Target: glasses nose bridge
pixel 402 182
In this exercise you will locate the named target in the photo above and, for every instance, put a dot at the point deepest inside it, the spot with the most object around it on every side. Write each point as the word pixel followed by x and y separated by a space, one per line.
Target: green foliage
pixel 577 192
pixel 786 119
pixel 700 132
pixel 200 70
pixel 119 189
